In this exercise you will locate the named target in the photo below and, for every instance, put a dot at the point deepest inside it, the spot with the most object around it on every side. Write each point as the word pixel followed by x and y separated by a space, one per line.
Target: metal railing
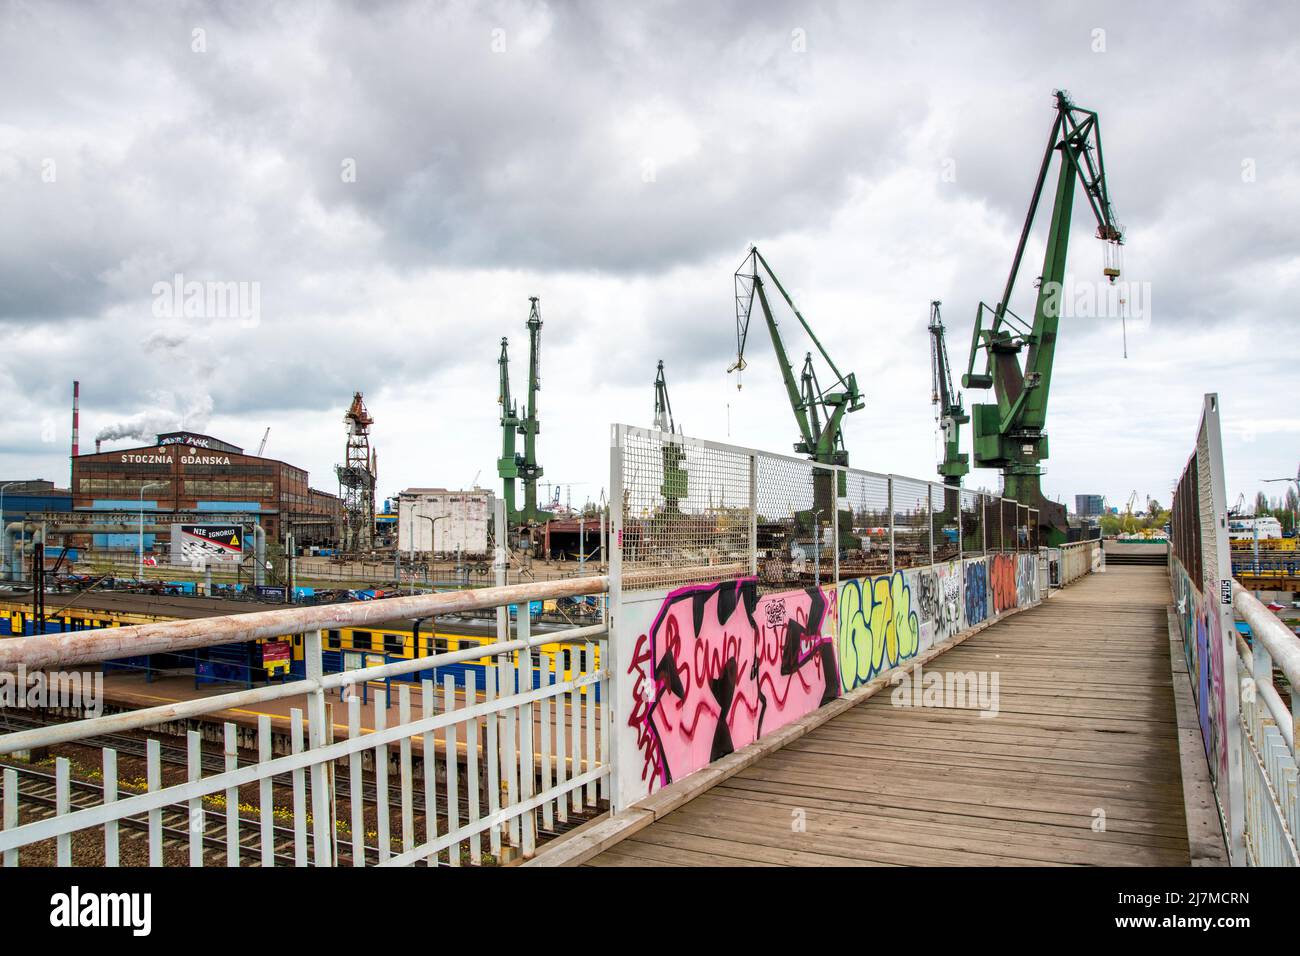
pixel 505 749
pixel 1248 730
pixel 1079 558
pixel 1268 729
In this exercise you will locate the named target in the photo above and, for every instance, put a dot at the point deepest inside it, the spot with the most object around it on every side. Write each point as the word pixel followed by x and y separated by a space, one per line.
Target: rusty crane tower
pixel 357 479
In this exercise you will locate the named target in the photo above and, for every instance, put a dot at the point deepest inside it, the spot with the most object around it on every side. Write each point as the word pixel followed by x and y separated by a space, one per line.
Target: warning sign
pixel 202 544
pixel 275 656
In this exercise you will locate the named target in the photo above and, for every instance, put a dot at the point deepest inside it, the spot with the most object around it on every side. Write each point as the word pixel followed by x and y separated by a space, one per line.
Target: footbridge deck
pixel 1079 766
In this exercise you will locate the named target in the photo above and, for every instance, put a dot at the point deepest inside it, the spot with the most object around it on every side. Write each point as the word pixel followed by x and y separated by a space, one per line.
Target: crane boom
pixel 1009 433
pixel 818 413
pixel 663 408
pixel 952 415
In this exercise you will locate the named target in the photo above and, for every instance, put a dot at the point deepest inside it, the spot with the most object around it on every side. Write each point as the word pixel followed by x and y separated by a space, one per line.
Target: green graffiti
pixel 877 627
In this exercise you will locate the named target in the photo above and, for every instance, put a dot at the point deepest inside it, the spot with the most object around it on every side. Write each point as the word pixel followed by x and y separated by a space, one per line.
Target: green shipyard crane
pixel 512 465
pixel 1009 433
pixel 952 415
pixel 674 484
pixel 507 464
pixel 818 412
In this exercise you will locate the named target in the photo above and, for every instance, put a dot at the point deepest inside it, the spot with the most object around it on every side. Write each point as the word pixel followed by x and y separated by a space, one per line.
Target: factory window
pixel 332 640
pixel 394 645
pixel 361 641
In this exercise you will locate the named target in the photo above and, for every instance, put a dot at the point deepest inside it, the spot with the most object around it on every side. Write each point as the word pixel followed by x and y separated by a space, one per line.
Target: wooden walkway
pixel 1086 726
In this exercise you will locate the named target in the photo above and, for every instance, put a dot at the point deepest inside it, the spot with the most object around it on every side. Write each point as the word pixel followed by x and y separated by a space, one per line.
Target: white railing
pixel 1079 558
pixel 1268 734
pixel 496 763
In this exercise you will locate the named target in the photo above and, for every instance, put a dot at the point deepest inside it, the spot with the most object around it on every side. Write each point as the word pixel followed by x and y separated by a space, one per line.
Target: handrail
pixel 1281 644
pixel 53 734
pixel 86 647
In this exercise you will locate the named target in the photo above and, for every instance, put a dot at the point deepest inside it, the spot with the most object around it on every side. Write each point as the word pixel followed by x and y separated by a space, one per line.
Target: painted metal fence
pixel 748 589
pixel 468 768
pixel 1247 727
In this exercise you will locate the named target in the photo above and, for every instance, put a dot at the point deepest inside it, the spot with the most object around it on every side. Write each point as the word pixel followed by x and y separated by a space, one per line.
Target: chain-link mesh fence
pixel 695 511
pixel 687 510
pixel 795 522
pixel 972 523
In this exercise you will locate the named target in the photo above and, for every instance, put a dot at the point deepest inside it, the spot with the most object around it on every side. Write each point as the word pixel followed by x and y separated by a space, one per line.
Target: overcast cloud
pixel 399 178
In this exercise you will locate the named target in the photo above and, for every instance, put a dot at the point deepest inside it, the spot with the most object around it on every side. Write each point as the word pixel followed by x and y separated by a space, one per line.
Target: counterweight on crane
pixel 818 412
pixel 1009 433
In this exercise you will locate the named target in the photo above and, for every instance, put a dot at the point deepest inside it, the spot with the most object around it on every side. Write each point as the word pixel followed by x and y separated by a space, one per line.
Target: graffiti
pixel 1002 582
pixel 1198 620
pixel 977 592
pixel 1026 579
pixel 719 667
pixel 877 627
pixel 939 600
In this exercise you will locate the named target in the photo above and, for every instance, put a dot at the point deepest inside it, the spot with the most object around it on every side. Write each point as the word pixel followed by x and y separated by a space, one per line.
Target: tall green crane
pixel 512 465
pixel 818 412
pixel 674 484
pixel 1008 434
pixel 952 414
pixel 507 464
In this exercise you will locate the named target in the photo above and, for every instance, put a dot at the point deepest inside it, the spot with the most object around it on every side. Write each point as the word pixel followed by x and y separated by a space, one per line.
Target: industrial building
pixel 441 521
pixel 37 496
pixel 185 473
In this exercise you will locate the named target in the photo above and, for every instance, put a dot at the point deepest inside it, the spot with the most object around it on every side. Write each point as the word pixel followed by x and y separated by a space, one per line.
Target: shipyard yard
pixel 500 437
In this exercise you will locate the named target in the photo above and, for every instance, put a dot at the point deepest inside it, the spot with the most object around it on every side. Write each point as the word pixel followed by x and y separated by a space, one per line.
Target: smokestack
pixel 76 416
pixel 97 444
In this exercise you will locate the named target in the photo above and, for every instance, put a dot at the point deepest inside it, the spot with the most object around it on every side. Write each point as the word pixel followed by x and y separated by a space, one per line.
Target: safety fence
pixel 748 589
pixel 472 767
pixel 1246 726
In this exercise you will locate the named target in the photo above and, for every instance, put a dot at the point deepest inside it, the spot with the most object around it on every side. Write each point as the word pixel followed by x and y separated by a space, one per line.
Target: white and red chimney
pixel 76 417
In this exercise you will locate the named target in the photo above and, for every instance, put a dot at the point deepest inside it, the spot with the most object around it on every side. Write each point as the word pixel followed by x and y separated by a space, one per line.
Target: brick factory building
pixel 200 475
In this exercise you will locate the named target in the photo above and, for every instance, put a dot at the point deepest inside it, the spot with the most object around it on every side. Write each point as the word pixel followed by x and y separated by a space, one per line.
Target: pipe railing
pixel 1271 806
pixel 85 647
pixel 522 738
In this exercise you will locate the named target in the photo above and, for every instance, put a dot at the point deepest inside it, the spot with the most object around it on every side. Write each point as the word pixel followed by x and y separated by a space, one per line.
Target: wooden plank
pixel 1086 730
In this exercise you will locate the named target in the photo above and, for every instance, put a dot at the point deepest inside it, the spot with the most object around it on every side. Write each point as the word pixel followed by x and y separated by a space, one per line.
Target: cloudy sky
pixel 394 180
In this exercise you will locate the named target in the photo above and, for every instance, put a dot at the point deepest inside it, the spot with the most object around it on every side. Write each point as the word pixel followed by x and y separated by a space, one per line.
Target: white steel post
pixel 613 654
pixel 753 515
pixel 321 799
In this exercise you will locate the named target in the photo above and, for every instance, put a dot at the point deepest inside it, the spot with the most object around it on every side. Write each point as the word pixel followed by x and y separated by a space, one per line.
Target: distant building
pixel 185 473
pixel 37 496
pixel 443 521
pixel 1089 506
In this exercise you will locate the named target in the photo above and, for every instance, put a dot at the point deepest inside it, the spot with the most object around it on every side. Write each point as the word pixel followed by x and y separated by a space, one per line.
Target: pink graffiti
pixel 720 667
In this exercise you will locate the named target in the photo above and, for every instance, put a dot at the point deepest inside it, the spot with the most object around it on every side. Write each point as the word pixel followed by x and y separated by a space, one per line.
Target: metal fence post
pixel 889 484
pixel 620 757
pixel 753 514
pixel 321 800
pixel 929 516
pixel 502 535
pixel 835 528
